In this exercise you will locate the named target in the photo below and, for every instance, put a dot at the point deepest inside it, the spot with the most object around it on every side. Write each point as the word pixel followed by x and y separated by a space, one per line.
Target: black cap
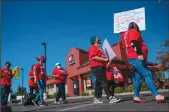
pixel 8 63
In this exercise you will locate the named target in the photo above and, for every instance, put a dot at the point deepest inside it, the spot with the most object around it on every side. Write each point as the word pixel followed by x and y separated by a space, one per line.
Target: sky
pixel 63 25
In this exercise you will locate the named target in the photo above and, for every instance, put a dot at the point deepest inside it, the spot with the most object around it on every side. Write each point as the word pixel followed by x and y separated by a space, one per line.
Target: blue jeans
pixel 61 91
pixel 141 71
pixel 5 90
pixel 41 85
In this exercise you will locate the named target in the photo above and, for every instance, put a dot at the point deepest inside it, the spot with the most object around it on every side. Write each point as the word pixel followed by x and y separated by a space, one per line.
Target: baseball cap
pixel 41 58
pixel 93 39
pixel 8 63
pixel 57 64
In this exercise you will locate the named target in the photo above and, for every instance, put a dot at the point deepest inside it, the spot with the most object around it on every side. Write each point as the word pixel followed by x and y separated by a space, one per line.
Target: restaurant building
pixel 80 78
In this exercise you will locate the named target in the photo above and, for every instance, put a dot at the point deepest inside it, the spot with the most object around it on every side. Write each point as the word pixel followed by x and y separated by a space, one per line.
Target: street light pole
pixel 44 44
pixel 22 83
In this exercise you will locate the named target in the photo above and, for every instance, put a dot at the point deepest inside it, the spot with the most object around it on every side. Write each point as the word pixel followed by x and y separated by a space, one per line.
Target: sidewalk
pixel 116 94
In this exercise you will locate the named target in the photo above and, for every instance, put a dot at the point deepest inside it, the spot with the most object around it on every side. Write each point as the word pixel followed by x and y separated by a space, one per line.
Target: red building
pixel 78 68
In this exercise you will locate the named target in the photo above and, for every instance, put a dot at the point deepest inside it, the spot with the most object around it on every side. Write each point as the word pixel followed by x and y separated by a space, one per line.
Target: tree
pixel 163 55
pixel 19 90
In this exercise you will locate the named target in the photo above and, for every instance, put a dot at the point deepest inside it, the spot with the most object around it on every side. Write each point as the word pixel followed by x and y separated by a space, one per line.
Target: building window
pixel 130 80
pixel 90 82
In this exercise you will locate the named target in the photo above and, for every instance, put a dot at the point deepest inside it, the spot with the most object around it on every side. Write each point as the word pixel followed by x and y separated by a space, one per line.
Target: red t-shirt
pixel 41 73
pixel 31 80
pixel 132 35
pixel 109 75
pixel 6 76
pixel 95 51
pixel 62 75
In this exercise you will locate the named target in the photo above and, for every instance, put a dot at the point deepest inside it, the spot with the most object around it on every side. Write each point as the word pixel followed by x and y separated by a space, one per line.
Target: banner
pixel 17 74
pixel 108 51
pixel 122 19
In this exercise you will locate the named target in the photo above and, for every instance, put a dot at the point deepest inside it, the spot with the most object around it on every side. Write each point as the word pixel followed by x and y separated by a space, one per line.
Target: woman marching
pixel 32 85
pixel 137 57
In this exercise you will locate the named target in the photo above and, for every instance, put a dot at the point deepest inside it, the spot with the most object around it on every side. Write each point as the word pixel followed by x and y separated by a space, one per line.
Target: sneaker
pixel 65 102
pixel 55 102
pixel 43 104
pixel 34 103
pixel 96 101
pixel 113 99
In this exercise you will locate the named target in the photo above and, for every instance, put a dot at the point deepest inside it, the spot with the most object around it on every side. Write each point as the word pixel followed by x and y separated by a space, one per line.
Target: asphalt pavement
pixel 86 104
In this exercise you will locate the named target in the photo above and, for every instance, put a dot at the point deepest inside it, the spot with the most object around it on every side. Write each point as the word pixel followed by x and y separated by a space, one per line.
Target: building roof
pixel 82 50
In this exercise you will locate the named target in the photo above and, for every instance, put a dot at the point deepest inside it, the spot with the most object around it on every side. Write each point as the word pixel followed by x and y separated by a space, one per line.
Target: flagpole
pixel 22 83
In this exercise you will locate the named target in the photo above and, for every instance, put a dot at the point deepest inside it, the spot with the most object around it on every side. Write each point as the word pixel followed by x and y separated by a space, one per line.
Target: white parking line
pixel 76 107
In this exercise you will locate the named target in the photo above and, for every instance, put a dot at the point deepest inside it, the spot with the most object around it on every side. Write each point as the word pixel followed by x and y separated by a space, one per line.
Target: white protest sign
pixel 122 19
pixel 108 51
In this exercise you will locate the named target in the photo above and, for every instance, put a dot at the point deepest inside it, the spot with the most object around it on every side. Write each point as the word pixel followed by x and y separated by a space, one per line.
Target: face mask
pixel 58 67
pixel 99 41
pixel 43 61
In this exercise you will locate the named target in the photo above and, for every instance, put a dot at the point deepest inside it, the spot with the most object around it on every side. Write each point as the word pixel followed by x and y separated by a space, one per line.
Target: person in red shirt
pixel 137 57
pixel 5 83
pixel 32 85
pixel 98 68
pixel 111 82
pixel 117 75
pixel 60 77
pixel 40 79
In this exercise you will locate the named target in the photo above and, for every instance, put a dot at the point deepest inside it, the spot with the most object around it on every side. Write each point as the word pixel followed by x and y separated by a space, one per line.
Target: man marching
pixel 40 79
pixel 6 76
pixel 60 77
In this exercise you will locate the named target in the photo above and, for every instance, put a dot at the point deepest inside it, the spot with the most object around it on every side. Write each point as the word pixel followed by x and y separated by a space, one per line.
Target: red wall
pixel 80 58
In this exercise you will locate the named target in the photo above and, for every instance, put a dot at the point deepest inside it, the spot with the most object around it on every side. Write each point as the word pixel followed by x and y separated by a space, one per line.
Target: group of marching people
pixel 101 68
pixel 137 52
pixel 37 82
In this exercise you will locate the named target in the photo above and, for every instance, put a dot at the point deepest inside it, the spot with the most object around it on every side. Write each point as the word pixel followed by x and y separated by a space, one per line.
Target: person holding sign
pixel 137 57
pixel 98 67
pixel 111 82
pixel 40 79
pixel 5 83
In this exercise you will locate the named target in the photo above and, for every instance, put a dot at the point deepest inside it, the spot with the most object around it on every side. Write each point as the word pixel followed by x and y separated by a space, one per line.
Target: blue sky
pixel 63 25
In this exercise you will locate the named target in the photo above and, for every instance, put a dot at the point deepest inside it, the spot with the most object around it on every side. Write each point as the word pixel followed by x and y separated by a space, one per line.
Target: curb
pixel 116 94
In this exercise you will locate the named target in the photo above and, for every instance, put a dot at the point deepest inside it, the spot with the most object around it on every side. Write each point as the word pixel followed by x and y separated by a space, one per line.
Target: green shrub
pixel 54 95
pixel 85 94
pixel 144 87
pixel 93 92
pixel 50 97
pixel 67 95
pixel 125 90
pixel 130 88
pixel 119 90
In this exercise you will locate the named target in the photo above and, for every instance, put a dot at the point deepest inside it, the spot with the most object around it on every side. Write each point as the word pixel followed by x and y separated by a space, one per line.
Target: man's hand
pixel 106 59
pixel 13 72
pixel 140 57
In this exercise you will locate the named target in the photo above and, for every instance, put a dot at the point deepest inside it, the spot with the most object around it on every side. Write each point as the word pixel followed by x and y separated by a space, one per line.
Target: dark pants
pixel 5 90
pixel 101 81
pixel 112 86
pixel 32 88
pixel 61 91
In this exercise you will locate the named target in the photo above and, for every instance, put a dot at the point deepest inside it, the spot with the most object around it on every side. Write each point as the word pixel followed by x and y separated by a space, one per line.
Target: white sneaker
pixel 96 101
pixel 56 102
pixel 113 99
